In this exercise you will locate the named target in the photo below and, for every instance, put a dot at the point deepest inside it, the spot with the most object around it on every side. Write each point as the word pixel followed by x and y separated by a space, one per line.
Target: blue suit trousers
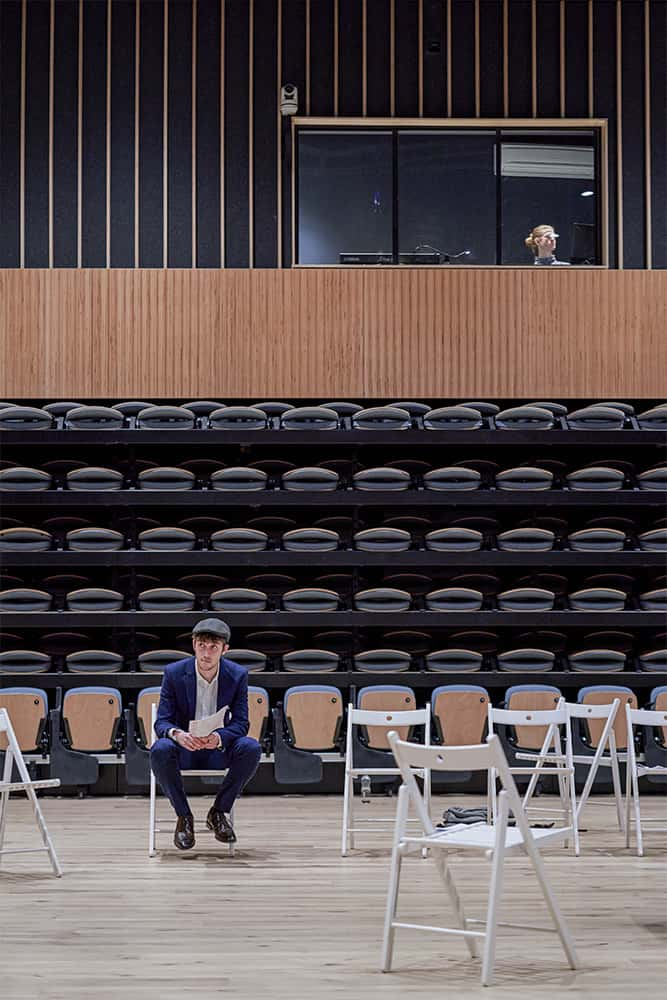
pixel 241 760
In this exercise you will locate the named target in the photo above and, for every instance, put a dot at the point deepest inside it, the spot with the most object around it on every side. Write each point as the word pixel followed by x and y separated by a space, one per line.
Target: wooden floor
pixel 289 918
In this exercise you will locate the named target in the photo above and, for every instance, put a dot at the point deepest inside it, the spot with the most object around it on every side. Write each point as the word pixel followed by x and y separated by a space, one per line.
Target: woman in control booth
pixel 542 241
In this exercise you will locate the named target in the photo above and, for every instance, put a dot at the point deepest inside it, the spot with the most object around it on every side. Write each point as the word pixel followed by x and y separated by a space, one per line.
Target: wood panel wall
pixel 332 332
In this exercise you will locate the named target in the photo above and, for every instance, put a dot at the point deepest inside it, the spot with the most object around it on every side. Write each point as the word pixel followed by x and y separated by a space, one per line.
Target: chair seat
pixel 482 836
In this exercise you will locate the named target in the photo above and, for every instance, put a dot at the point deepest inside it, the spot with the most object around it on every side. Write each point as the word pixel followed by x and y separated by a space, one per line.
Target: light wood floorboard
pixel 289 918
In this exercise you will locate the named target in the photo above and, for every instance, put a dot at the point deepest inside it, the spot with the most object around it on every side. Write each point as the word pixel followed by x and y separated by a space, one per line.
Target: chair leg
pixel 495 893
pixel 151 820
pixel 628 796
pixel 638 820
pixel 46 839
pixel 348 789
pixel 4 796
pixel 394 881
pixel 452 892
pixel 616 780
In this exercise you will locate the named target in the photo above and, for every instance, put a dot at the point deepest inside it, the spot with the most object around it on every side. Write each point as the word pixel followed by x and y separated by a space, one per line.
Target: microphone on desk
pixel 463 253
pixel 445 256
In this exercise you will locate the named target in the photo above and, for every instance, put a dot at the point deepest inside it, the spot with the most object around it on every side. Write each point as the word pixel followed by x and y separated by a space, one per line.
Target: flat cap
pixel 213 626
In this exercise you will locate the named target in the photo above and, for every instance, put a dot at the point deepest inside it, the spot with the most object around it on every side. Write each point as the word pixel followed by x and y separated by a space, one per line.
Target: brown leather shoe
pixel 222 828
pixel 184 834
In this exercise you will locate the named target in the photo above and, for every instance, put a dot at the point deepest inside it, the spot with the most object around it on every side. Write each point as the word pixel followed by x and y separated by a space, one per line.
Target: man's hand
pixel 211 742
pixel 189 742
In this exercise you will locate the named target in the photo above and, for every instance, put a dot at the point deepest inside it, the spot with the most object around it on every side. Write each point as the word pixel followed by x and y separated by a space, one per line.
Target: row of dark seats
pixel 320 599
pixel 524 659
pixel 313 715
pixel 405 415
pixel 380 539
pixel 463 476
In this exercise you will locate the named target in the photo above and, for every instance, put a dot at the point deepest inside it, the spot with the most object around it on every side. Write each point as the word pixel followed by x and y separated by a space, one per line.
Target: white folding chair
pixel 635 770
pixel 550 760
pixel 155 823
pixel 386 720
pixel 13 756
pixel 606 741
pixel 496 842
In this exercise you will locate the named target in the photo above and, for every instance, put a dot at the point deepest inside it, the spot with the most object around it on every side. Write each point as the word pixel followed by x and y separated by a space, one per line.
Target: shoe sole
pixel 222 838
pixel 182 848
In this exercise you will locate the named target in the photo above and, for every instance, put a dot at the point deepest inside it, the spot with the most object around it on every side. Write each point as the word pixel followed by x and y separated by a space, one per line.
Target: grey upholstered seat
pixel 132 407
pixel 94 661
pixel 94 478
pixel 311 479
pixel 94 540
pixel 24 599
pixel 654 660
pixel 166 599
pixel 524 477
pixel 250 659
pixel 94 599
pixel 413 407
pixel 454 599
pixel 526 660
pixel 25 540
pixel 596 418
pixel 654 419
pixel 454 540
pixel 382 418
pixel 557 409
pixel 526 540
pixel 379 661
pixel 453 418
pixel 597 599
pixel 24 479
pixel 238 418
pixel 526 599
pixel 603 661
pixel 381 478
pixel 654 600
pixel 525 418
pixel 310 540
pixel 239 478
pixel 382 540
pixel 238 599
pixel 312 661
pixel 482 406
pixel 94 418
pixel 456 661
pixel 597 540
pixel 653 479
pixel 596 477
pixel 343 408
pixel 272 407
pixel 167 540
pixel 626 408
pixel 654 540
pixel 166 478
pixel 386 599
pixel 24 661
pixel 454 477
pixel 169 418
pixel 154 661
pixel 309 418
pixel 202 407
pixel 25 418
pixel 61 407
pixel 239 540
pixel 310 599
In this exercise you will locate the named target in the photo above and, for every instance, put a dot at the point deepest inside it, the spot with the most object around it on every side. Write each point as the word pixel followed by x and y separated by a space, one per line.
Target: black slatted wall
pixel 146 133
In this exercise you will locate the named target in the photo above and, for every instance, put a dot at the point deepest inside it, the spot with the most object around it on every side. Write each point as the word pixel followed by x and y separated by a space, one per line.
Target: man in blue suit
pixel 195 688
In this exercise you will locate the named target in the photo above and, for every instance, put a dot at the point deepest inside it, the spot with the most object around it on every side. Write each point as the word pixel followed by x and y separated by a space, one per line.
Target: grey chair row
pixel 407 415
pixel 319 599
pixel 460 477
pixel 316 539
pixel 383 660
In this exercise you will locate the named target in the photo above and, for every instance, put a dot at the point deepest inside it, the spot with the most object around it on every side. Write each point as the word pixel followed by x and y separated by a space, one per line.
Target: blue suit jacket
pixel 178 699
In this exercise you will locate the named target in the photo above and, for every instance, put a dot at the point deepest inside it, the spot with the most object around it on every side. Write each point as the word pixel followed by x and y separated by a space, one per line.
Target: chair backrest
pixel 460 713
pixel 147 704
pixel 482 757
pixel 91 715
pixel 655 719
pixel 659 704
pixel 603 694
pixel 382 721
pixel 27 710
pixel 531 698
pixel 258 712
pixel 385 698
pixel 313 713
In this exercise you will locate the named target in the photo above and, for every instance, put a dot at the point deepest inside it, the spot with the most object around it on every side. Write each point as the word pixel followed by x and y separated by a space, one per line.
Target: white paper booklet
pixel 204 727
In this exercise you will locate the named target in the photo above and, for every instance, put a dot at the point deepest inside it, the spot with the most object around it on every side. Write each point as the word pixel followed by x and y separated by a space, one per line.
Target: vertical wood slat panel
pixel 331 331
pixel 10 134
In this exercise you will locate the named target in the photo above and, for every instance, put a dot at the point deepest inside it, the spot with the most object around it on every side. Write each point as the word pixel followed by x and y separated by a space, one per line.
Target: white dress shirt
pixel 207 700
